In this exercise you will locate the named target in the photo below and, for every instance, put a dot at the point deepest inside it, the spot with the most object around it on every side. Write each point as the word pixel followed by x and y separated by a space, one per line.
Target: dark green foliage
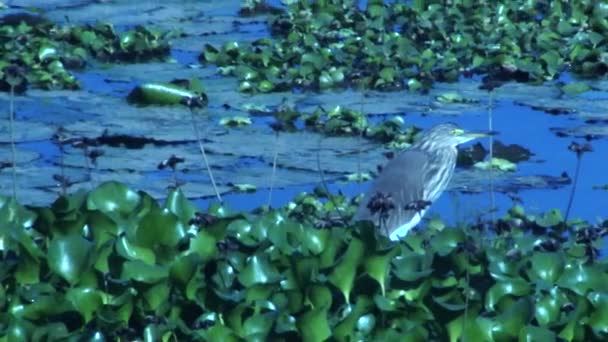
pixel 113 263
pixel 333 44
pixel 46 51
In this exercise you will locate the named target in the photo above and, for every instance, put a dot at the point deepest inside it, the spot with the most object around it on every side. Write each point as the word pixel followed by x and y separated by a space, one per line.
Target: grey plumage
pixel 415 176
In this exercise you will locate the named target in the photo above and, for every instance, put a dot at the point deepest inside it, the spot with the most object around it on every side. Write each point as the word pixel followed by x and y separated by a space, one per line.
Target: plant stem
pixel 573 190
pixel 274 167
pixel 12 139
pixel 321 174
pixel 85 150
pixel 202 149
pixel 490 128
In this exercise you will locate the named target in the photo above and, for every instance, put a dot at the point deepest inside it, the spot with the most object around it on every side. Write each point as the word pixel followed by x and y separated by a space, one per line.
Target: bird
pixel 414 179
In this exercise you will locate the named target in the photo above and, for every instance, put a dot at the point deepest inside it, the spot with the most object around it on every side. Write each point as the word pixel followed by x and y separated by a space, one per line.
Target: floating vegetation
pixel 172 93
pixel 235 121
pixel 497 164
pixel 47 51
pixel 122 266
pixel 334 44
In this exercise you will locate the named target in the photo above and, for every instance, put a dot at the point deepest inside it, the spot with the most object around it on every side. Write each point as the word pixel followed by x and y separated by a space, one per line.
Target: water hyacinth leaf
pixel 533 333
pixel 547 266
pixel 164 94
pixel 51 332
pixel 257 326
pixel 377 266
pixel 236 121
pixel 453 97
pixel 102 227
pixel 86 300
pixel 598 320
pixel 111 197
pixel 142 272
pixel 70 256
pixel 130 251
pixel 358 177
pixel 243 231
pixel 496 164
pixel 314 325
pixel 159 228
pixel 515 287
pixel 157 295
pixel 13 214
pixel 508 324
pixel 575 328
pixel 343 275
pixel 447 240
pixel 581 278
pixel 179 205
pixel 468 328
pixel 184 267
pixel 575 88
pixel 315 240
pixel 320 297
pixel 244 188
pixel 345 330
pixel 28 270
pixel 204 244
pixel 258 270
pixel 550 218
pixel 549 307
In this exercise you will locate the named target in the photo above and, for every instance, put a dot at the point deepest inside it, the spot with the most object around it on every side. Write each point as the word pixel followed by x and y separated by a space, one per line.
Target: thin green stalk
pixel 206 161
pixel 12 138
pixel 85 151
pixel 573 189
pixel 490 128
pixel 274 167
pixel 324 184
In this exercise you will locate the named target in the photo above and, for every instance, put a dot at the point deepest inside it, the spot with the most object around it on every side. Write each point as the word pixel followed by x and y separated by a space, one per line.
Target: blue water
pixel 515 124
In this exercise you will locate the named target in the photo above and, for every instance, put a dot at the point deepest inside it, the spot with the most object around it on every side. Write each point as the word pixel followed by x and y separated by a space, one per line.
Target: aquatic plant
pixel 114 263
pixel 47 51
pixel 396 45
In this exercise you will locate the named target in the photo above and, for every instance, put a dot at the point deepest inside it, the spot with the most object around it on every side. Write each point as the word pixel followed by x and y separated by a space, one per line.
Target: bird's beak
pixel 468 136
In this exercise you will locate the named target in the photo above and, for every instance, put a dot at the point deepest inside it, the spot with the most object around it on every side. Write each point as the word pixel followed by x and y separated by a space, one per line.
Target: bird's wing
pixel 404 178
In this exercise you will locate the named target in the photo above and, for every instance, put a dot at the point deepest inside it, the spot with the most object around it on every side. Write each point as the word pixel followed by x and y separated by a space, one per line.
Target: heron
pixel 414 179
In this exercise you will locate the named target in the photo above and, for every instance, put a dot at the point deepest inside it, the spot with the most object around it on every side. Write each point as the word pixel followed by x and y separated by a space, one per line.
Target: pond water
pixel 244 155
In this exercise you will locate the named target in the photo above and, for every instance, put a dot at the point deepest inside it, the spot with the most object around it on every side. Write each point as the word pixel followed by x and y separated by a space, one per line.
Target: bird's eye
pixel 456 131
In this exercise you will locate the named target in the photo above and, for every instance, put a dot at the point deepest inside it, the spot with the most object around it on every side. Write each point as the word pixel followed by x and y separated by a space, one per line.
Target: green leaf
pixel 247 188
pixel 70 256
pixel 178 204
pixel 159 228
pixel 314 326
pixel 447 240
pixel 112 197
pixel 164 94
pixel 258 270
pixel 581 278
pixel 598 319
pixel 547 266
pixel 236 121
pixel 86 300
pixel 515 286
pixel 204 244
pixel 343 275
pixel 551 218
pixel 142 272
pixel 548 308
pixel 496 164
pixel 531 333
pixel 412 266
pixel 575 88
pixel 130 251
